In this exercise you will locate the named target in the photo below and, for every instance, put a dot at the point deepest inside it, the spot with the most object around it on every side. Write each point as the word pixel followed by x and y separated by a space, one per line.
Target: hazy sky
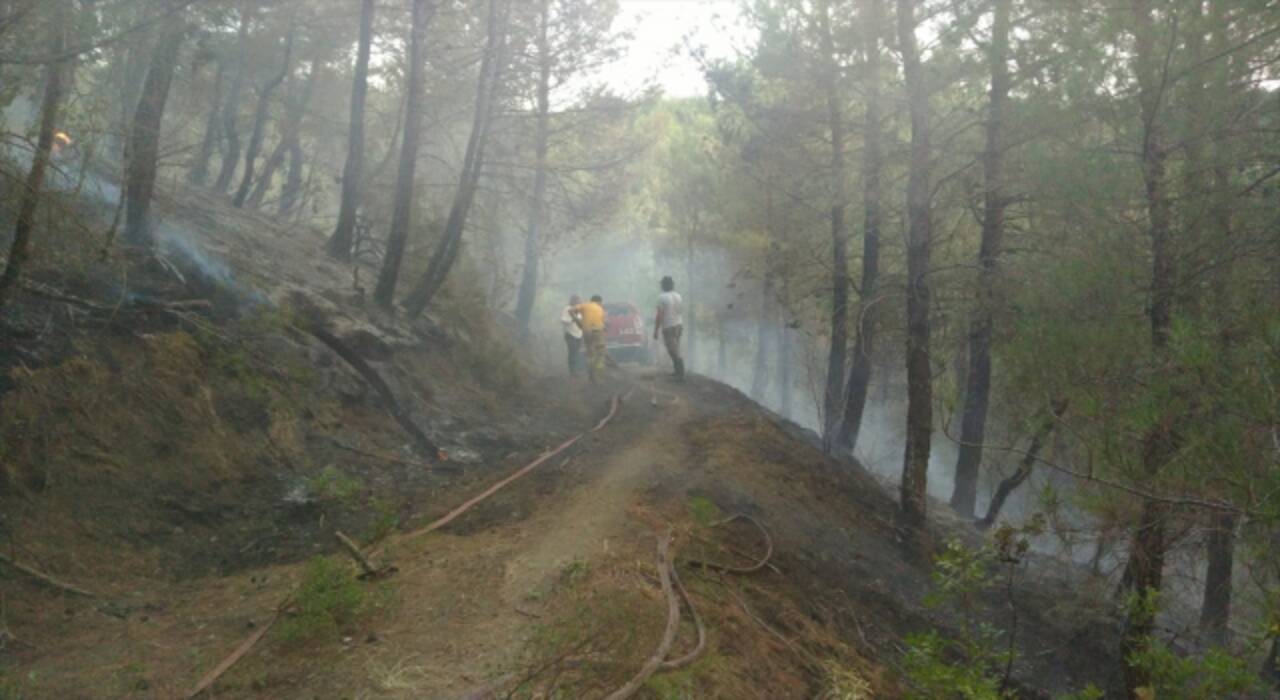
pixel 661 29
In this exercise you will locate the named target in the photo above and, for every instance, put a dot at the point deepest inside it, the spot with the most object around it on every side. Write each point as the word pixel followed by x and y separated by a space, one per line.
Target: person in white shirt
pixel 670 320
pixel 572 334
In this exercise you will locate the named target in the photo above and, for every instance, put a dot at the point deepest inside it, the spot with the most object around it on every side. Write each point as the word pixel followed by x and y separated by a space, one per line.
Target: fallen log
pixel 426 447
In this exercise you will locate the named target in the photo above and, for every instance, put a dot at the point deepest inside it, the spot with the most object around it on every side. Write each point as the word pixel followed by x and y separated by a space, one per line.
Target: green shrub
pixel 327 600
pixel 332 484
pixel 964 669
pixel 1216 674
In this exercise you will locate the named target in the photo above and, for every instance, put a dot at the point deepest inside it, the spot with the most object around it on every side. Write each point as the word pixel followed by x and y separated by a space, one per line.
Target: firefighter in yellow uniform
pixel 590 317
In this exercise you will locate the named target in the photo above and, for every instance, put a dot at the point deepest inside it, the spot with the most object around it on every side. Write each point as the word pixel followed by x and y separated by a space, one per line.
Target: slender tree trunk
pixel 1145 568
pixel 915 468
pixel 832 400
pixel 231 112
pixel 1025 466
pixel 873 162
pixel 722 348
pixel 135 72
pixel 1215 612
pixel 199 172
pixel 532 239
pixel 290 133
pixel 344 233
pixel 144 139
pixel 402 208
pixel 450 244
pixel 977 391
pixel 291 199
pixel 691 334
pixel 784 356
pixel 764 335
pixel 765 330
pixel 56 76
pixel 260 122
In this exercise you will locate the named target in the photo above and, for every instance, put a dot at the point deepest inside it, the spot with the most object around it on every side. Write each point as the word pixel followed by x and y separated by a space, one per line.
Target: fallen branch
pixel 392 458
pixel 741 570
pixel 370 571
pixel 371 376
pixel 668 637
pixel 46 579
pixel 135 305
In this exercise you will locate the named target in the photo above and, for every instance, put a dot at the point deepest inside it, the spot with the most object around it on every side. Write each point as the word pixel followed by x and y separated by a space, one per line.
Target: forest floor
pixel 560 567
pixel 189 467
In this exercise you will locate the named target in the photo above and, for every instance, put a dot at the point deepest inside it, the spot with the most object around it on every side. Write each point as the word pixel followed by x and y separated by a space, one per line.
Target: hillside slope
pixel 187 454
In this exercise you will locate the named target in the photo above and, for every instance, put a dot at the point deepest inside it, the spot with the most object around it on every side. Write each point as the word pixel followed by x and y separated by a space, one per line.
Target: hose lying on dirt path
pixel 668 576
pixel 676 664
pixel 248 644
pixel 468 505
pixel 655 661
pixel 740 570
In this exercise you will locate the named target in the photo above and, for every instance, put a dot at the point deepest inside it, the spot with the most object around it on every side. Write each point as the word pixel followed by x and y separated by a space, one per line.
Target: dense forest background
pixel 1021 256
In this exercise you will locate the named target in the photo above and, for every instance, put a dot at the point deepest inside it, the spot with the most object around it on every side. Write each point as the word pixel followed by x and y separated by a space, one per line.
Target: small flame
pixel 63 138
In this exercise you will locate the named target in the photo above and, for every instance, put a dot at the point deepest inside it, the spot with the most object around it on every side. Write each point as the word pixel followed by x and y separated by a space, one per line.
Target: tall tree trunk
pixel 1215 612
pixel 402 208
pixel 873 163
pixel 977 391
pixel 144 139
pixel 353 170
pixel 834 393
pixel 199 172
pixel 260 122
pixel 1145 567
pixel 915 467
pixel 784 355
pixel 450 244
pixel 291 193
pixel 764 336
pixel 56 76
pixel 1025 466
pixel 135 72
pixel 290 132
pixel 691 334
pixel 231 112
pixel 765 331
pixel 532 238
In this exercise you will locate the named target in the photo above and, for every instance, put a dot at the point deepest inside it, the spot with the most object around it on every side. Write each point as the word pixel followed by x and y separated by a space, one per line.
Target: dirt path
pixel 472 595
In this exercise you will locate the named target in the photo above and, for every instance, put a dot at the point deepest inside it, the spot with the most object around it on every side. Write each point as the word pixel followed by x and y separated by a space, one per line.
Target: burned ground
pixel 190 464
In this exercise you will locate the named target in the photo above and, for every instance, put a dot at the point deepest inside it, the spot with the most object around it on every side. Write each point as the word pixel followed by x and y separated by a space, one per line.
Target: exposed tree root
pixel 47 579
